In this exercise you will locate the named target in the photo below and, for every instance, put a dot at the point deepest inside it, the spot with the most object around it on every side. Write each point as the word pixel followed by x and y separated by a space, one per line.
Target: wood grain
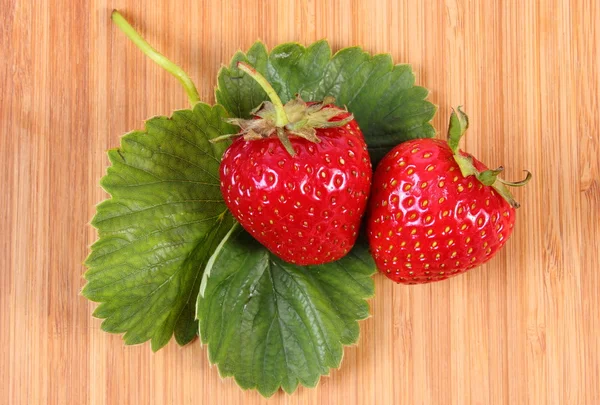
pixel 521 330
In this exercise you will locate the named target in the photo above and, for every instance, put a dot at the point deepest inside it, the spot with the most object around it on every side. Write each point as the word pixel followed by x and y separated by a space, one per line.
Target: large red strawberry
pixel 298 177
pixel 435 211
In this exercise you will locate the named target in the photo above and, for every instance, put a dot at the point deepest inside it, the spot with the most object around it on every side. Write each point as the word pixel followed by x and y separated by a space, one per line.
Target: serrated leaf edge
pixel 91 222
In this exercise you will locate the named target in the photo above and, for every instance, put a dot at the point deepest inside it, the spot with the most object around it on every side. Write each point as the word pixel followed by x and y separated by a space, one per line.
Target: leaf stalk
pixel 157 57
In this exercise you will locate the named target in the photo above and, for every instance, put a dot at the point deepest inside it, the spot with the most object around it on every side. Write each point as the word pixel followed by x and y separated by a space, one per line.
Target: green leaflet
pixel 156 233
pixel 271 324
pixel 389 108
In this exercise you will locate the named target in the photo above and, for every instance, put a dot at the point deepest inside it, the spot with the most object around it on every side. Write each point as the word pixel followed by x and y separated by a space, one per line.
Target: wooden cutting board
pixel 521 330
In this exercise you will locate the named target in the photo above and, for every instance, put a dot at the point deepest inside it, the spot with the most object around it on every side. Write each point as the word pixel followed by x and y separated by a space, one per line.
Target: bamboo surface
pixel 522 329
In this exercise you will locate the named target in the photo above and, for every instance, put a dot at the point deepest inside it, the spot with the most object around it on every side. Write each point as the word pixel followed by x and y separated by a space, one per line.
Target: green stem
pixel 281 116
pixel 520 183
pixel 459 122
pixel 160 59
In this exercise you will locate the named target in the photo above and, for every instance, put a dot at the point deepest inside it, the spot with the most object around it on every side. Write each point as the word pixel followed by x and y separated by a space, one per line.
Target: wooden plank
pixel 520 330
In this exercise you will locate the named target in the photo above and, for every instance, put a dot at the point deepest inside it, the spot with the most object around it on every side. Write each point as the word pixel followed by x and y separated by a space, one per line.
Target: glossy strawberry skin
pixel 427 222
pixel 305 209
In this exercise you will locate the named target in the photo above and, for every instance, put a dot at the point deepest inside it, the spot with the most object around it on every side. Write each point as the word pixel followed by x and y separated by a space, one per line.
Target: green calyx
pixel 295 118
pixel 459 123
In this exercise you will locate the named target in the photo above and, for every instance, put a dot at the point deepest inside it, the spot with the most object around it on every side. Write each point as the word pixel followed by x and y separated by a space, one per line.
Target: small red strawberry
pixel 435 211
pixel 297 177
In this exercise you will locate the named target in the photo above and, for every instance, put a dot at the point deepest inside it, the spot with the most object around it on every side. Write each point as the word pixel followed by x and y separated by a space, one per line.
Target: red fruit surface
pixel 305 209
pixel 428 222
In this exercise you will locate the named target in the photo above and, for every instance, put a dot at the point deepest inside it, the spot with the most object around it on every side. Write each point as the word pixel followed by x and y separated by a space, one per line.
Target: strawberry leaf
pixel 156 233
pixel 387 105
pixel 271 324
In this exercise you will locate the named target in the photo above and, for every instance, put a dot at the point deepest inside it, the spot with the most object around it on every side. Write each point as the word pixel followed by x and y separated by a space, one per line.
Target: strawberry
pixel 435 211
pixel 297 177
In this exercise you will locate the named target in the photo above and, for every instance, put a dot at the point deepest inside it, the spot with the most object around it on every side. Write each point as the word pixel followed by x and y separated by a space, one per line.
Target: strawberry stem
pixel 281 117
pixel 272 118
pixel 157 57
pixel 459 122
pixel 520 183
